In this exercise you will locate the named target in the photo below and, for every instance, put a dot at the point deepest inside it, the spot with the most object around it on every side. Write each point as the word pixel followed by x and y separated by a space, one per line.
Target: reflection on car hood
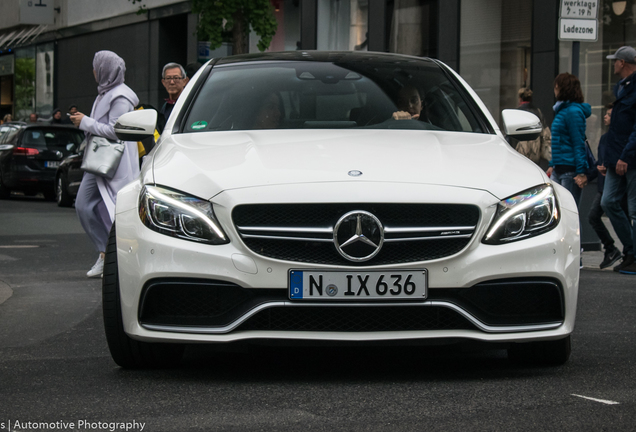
pixel 204 164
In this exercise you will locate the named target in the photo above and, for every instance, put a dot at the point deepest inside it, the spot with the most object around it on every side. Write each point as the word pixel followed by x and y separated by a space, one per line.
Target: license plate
pixel 355 286
pixel 52 164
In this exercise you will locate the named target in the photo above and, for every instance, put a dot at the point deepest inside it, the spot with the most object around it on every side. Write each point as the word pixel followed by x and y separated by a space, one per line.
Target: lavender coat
pixel 106 110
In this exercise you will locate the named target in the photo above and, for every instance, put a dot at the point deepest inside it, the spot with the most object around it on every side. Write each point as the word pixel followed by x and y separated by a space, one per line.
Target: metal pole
pixel 576 49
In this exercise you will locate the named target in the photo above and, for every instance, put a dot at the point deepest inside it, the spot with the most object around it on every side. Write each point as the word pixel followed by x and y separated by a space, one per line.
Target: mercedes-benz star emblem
pixel 358 236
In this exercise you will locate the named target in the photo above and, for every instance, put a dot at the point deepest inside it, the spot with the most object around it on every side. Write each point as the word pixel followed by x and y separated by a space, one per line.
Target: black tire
pixel 61 192
pixel 549 353
pixel 127 352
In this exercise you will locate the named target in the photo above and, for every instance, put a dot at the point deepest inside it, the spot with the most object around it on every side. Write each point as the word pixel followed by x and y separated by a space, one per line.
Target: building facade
pixel 498 46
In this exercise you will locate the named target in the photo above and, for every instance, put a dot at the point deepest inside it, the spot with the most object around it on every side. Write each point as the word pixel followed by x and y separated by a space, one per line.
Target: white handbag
pixel 102 156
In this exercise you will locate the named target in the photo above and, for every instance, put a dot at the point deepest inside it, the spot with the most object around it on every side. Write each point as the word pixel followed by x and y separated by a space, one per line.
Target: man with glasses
pixel 619 156
pixel 174 79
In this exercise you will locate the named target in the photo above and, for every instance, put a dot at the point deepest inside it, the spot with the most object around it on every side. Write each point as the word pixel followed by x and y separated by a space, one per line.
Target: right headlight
pixel 527 214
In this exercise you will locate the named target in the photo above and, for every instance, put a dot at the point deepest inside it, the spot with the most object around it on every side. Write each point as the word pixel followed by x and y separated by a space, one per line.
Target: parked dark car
pixel 68 178
pixel 31 154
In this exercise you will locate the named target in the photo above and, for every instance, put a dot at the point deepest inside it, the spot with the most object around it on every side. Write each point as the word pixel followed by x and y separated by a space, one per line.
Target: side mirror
pixel 136 125
pixel 522 125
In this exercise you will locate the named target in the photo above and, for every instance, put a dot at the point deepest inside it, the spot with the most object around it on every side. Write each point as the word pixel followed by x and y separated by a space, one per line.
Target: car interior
pixel 308 95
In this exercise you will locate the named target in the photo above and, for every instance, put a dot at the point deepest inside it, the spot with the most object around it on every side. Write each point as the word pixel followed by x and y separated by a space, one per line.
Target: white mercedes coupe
pixel 335 197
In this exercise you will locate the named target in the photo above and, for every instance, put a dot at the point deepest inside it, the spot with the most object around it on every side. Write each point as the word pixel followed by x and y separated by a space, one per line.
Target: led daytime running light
pixel 154 193
pixel 524 205
pixel 179 215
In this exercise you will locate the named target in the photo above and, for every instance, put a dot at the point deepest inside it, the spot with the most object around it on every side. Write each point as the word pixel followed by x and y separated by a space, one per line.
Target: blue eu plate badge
pixel 296 284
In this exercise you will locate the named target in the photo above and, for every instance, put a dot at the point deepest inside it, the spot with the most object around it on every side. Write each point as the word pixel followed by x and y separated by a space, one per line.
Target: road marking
pixel 606 402
pixel 5 292
pixel 18 247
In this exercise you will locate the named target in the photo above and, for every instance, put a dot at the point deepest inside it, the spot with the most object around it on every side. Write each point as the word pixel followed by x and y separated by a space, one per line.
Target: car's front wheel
pixel 128 352
pixel 552 353
pixel 61 192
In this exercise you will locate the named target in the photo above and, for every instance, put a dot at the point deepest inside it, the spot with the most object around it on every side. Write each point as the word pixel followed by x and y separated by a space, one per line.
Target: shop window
pixel 495 50
pixel 343 25
pixel 24 82
pixel 44 80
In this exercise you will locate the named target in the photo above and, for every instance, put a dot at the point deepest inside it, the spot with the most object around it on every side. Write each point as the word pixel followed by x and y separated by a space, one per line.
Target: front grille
pixel 304 233
pixel 209 303
pixel 356 319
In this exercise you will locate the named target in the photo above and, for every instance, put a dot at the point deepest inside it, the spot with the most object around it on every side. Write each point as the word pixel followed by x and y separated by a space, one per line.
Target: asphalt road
pixel 55 366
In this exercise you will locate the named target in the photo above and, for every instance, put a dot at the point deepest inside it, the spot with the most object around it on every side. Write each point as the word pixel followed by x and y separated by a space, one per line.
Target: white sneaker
pixel 97 269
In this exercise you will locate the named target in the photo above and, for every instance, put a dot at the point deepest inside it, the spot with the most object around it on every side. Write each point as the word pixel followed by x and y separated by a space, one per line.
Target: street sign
pixel 37 12
pixel 582 30
pixel 578 20
pixel 579 9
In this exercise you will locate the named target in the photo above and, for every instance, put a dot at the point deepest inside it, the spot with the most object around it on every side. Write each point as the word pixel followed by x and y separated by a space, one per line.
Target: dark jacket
pixel 568 136
pixel 601 149
pixel 621 137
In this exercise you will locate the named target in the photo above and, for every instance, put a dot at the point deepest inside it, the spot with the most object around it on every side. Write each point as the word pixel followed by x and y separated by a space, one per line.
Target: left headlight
pixel 527 214
pixel 178 215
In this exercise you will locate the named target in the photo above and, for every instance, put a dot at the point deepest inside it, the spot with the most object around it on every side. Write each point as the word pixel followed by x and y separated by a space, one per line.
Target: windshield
pixel 54 139
pixel 413 94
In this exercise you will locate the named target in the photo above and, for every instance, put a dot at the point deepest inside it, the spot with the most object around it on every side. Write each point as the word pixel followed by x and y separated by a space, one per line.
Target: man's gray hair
pixel 172 66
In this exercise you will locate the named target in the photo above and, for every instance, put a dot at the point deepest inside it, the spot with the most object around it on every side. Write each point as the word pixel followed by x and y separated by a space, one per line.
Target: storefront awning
pixel 23 36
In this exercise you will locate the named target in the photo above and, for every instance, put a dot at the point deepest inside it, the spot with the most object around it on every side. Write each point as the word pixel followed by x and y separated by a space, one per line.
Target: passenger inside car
pixel 269 113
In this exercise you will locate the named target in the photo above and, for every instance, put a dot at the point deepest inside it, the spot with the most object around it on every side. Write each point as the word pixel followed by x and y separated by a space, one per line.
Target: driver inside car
pixel 409 104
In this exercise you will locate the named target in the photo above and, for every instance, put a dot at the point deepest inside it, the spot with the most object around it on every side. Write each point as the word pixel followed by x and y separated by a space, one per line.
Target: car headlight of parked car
pixel 179 215
pixel 527 214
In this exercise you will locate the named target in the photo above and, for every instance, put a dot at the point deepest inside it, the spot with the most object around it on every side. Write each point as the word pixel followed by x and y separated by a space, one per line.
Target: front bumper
pixel 151 261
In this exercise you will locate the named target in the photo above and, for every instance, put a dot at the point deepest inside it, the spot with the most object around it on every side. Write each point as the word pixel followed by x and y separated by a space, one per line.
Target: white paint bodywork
pixel 311 166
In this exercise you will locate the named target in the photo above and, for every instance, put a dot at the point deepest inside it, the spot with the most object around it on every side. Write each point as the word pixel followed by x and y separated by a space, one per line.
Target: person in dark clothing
pixel 57 116
pixel 67 119
pixel 174 79
pixel 612 254
pixel 619 156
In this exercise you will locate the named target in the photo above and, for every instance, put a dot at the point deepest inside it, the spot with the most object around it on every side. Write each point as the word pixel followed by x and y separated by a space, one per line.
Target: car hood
pixel 205 164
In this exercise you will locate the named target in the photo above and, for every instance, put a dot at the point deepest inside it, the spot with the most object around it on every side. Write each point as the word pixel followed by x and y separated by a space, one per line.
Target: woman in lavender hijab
pixel 95 202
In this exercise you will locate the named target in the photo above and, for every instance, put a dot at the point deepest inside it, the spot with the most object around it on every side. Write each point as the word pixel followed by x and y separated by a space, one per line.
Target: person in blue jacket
pixel 619 156
pixel 568 166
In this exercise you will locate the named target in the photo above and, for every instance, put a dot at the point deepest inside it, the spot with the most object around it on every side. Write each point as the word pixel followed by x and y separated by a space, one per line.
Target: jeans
pixel 567 181
pixel 594 217
pixel 615 188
